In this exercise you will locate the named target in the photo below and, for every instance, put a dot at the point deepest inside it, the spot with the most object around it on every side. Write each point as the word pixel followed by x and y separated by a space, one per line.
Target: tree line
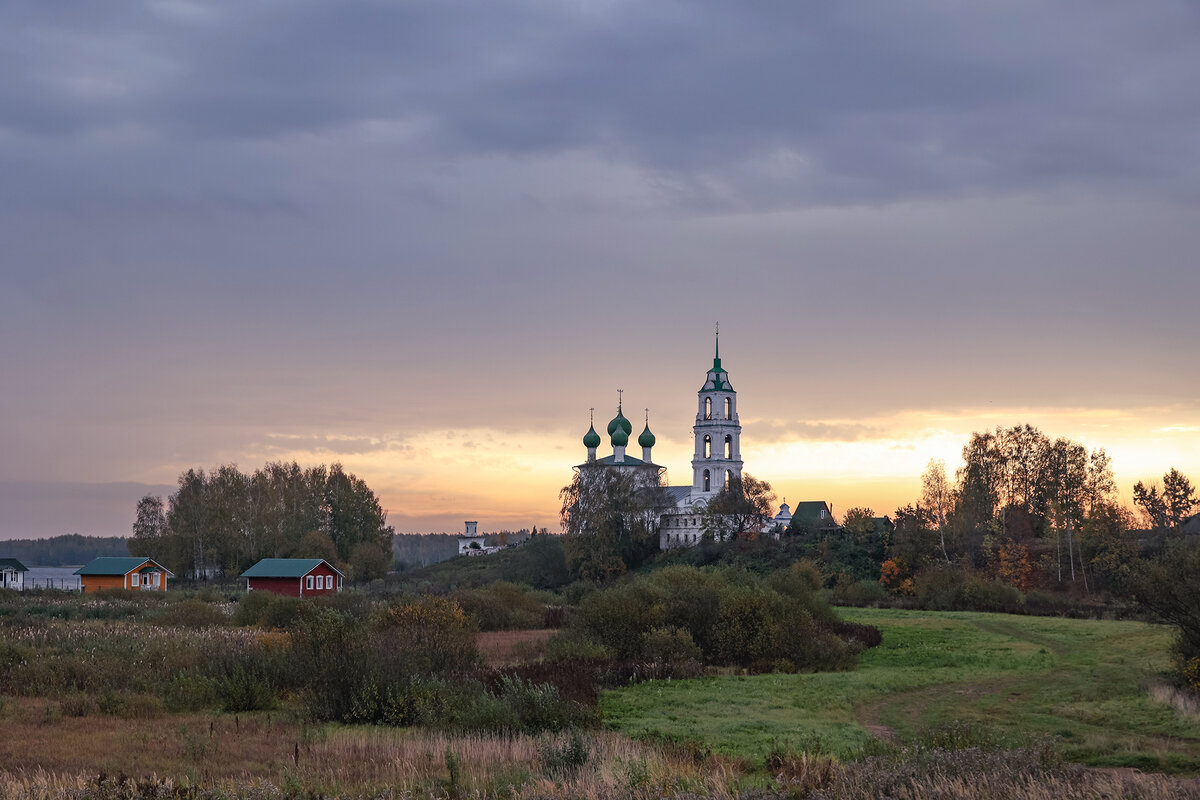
pixel 223 521
pixel 69 550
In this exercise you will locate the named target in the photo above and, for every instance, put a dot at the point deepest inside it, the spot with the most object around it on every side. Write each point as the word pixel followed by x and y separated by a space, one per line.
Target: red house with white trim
pixel 294 577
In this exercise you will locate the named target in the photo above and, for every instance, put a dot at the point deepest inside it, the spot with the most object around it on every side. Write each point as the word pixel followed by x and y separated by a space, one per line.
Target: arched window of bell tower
pixel 728 446
pixel 708 408
pixel 707 446
pixel 706 481
pixel 728 477
pixel 728 408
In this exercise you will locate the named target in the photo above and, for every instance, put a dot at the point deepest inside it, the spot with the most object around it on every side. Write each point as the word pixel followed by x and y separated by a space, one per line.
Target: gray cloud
pixel 752 104
pixel 812 431
pixel 37 509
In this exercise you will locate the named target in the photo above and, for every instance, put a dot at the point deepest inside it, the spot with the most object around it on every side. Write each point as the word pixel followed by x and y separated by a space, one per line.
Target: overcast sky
pixel 424 238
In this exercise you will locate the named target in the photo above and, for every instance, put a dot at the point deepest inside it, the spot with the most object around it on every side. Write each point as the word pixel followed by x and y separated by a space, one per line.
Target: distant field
pixel 1085 683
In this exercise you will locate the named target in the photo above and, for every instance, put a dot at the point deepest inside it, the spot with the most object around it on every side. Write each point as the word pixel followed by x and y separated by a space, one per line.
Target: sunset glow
pixel 423 243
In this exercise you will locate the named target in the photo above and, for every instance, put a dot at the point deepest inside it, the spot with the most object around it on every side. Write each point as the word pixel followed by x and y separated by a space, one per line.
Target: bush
pixel 191 613
pixel 620 617
pixel 520 706
pixel 561 757
pixel 951 589
pixel 731 618
pixel 670 645
pixel 856 634
pixel 270 611
pixel 574 645
pixel 190 691
pixel 859 593
pixel 501 607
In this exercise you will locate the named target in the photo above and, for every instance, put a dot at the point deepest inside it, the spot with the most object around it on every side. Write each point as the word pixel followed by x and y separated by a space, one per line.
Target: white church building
pixel 716 461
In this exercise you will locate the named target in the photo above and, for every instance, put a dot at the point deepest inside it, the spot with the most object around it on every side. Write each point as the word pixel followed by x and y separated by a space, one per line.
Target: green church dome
pixel 647 438
pixel 591 438
pixel 619 437
pixel 619 421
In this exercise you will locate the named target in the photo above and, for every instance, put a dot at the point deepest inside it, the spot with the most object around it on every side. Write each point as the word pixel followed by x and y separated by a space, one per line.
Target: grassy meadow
pixel 122 696
pixel 1084 685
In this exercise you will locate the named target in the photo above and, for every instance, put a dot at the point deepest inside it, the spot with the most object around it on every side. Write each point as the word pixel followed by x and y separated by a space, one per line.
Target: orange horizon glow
pixel 432 481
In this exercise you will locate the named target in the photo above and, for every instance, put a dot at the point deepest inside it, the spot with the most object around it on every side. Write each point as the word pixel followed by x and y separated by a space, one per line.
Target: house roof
pixel 808 515
pixel 287 568
pixel 118 565
pixel 13 564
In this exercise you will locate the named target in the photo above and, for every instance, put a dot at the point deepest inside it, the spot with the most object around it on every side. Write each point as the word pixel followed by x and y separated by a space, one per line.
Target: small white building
pixel 473 543
pixel 12 574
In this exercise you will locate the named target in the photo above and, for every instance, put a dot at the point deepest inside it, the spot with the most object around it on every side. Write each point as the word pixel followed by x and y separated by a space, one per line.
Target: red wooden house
pixel 294 577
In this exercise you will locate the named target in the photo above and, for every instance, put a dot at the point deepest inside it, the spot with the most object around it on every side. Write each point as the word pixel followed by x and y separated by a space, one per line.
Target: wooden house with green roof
pixel 114 572
pixel 294 577
pixel 813 517
pixel 12 574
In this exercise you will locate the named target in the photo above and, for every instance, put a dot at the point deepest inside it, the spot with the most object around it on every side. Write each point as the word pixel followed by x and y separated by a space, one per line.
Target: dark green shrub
pixel 190 691
pixel 519 706
pixel 251 608
pixel 501 606
pixel 670 645
pixel 857 634
pixel 954 589
pixel 283 613
pixel 563 756
pixel 620 617
pixel 191 613
pixel 858 593
pixel 574 645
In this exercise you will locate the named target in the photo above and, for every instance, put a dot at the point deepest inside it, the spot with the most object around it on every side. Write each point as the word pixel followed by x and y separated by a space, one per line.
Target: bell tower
pixel 718 456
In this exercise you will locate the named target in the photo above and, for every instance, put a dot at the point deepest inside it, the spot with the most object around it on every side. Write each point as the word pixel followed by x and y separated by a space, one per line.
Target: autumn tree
pixel 149 527
pixel 1178 496
pixel 1104 537
pixel 1012 564
pixel 1067 470
pixel 225 520
pixel 1152 504
pixel 742 509
pixel 936 497
pixel 610 517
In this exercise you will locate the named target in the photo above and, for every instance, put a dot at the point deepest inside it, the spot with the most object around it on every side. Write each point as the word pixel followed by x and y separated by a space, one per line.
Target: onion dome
pixel 619 437
pixel 591 438
pixel 619 421
pixel 647 438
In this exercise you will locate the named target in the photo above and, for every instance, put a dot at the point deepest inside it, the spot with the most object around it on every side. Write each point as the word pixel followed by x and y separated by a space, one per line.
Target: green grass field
pixel 1084 683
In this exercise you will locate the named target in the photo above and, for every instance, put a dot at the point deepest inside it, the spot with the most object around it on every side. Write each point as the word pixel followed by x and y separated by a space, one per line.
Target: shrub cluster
pixel 682 614
pixel 414 662
pixel 503 606
pixel 952 589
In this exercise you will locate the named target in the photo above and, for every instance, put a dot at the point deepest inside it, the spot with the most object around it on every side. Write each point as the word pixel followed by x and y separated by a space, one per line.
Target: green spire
pixel 717 351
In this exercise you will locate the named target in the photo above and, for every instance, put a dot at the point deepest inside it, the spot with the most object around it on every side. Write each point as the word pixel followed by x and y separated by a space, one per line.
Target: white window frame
pixel 339 588
pixel 320 583
pixel 134 581
pixel 157 575
pixel 308 584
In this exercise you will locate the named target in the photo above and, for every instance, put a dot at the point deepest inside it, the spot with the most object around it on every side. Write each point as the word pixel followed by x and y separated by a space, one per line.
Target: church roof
pixel 630 461
pixel 677 494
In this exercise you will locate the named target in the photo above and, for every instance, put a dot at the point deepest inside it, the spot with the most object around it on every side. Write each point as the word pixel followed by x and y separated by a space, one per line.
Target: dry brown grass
pixel 44 755
pixel 504 648
pixel 37 736
pixel 1182 700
